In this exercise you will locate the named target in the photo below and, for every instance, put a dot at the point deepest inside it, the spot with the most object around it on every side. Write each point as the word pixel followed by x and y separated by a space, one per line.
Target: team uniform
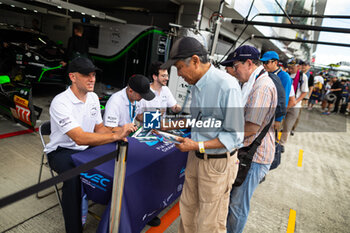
pixel 119 110
pixel 163 100
pixel 66 113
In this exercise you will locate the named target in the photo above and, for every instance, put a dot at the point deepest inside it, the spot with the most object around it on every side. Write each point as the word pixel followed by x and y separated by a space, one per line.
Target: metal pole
pixel 300 41
pixel 285 13
pixel 217 30
pixel 291 26
pixel 307 16
pixel 118 186
pixel 199 16
pixel 312 33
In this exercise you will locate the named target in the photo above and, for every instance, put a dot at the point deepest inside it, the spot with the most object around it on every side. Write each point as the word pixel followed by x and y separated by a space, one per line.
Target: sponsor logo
pixel 151 120
pixel 30 76
pixel 23 114
pixel 20 101
pixel 166 201
pixel 93 111
pixel 182 173
pixel 165 147
pixel 182 170
pixel 95 180
pixel 64 122
pixel 193 123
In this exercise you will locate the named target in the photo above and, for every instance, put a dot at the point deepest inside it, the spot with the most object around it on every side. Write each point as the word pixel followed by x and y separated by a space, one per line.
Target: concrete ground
pixel 318 191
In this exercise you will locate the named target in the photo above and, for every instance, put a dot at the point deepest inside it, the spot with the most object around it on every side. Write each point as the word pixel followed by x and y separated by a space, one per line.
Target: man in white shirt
pixel 123 105
pixel 319 79
pixel 76 124
pixel 163 97
pixel 301 89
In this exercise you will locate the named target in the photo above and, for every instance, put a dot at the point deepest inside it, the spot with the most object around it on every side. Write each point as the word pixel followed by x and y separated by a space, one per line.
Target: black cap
pixel 183 48
pixel 282 63
pixel 304 63
pixel 82 65
pixel 141 85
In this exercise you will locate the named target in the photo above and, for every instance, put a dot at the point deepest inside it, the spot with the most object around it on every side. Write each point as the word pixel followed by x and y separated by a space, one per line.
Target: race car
pixel 30 57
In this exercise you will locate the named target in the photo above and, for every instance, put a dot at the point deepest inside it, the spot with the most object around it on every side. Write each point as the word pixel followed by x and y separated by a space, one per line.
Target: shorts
pixel 312 101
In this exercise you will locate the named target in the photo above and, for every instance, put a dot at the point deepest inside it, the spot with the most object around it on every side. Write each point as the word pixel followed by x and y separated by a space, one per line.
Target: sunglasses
pixel 268 61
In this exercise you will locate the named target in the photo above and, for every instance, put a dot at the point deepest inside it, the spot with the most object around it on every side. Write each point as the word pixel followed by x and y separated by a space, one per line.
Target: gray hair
pixel 202 58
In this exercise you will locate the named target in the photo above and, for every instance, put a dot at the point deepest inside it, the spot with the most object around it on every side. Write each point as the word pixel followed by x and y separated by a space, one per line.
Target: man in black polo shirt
pixel 337 89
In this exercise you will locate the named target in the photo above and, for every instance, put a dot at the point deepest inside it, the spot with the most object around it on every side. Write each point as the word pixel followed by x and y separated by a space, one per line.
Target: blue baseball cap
pixel 270 55
pixel 241 54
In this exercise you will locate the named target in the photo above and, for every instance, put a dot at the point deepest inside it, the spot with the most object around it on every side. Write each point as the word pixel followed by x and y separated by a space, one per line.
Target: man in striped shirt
pixel 260 106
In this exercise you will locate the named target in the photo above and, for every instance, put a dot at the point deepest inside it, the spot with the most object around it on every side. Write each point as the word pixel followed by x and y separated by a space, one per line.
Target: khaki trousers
pixel 297 120
pixel 206 193
pixel 288 123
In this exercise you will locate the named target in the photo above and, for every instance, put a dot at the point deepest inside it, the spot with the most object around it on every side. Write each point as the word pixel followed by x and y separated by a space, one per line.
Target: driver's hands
pixel 122 132
pixel 127 129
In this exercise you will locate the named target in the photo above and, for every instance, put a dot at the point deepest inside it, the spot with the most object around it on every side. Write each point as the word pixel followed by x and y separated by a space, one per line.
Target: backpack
pixel 281 109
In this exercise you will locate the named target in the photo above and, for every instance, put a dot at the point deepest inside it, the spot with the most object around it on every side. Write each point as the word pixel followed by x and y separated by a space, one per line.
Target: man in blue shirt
pixel 212 163
pixel 270 61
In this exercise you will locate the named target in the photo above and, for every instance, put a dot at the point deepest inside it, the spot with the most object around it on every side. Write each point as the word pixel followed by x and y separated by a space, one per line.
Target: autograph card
pixel 167 136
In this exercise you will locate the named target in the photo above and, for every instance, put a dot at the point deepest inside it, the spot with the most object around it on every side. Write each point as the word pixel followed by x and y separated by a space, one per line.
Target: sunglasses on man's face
pixel 267 62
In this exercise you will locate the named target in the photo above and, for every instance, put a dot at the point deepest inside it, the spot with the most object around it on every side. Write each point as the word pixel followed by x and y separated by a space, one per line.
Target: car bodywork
pixel 30 57
pixel 16 102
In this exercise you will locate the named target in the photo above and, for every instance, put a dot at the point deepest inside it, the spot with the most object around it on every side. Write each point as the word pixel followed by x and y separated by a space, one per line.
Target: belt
pixel 214 156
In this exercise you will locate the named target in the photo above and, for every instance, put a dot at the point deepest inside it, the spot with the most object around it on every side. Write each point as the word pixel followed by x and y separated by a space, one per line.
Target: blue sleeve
pixel 287 84
pixel 279 119
pixel 232 134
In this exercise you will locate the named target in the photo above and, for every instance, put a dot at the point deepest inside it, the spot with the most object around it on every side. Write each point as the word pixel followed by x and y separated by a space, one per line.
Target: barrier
pixel 118 186
pixel 57 179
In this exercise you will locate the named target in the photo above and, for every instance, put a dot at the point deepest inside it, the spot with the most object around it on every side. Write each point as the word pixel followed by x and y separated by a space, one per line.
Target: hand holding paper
pixel 186 144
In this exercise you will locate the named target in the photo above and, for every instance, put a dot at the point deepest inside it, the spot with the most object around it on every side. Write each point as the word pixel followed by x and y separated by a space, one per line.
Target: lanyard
pixel 132 110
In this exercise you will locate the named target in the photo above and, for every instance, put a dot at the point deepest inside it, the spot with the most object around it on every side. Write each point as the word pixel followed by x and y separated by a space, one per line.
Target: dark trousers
pixel 60 161
pixel 336 105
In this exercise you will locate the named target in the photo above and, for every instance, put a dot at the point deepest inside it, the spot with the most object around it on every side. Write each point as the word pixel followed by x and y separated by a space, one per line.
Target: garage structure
pixel 128 35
